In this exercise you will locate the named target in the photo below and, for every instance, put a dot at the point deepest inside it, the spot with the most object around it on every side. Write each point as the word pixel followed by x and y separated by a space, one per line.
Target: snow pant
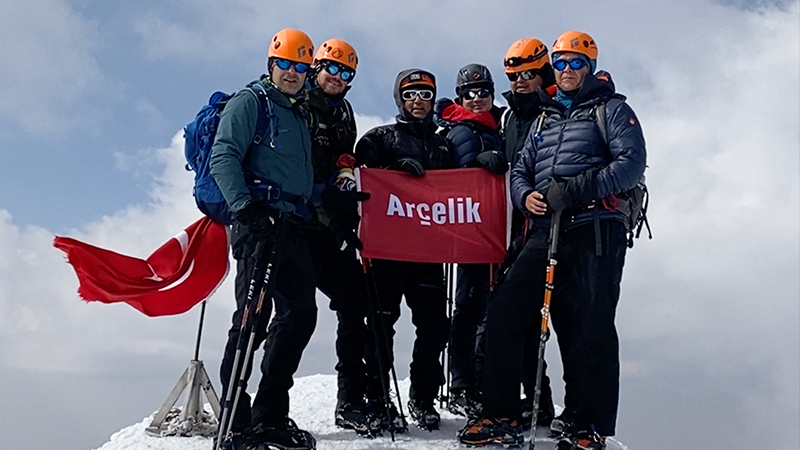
pixel 472 290
pixel 341 278
pixel 291 290
pixel 583 319
pixel 422 284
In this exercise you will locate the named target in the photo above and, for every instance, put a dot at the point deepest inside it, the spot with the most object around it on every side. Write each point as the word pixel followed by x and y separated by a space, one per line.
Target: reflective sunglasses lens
pixel 512 76
pixel 574 64
pixel 472 95
pixel 528 75
pixel 347 75
pixel 301 67
pixel 332 69
pixel 284 64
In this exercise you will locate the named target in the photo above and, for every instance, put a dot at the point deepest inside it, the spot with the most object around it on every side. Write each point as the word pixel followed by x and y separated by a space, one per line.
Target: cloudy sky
pixel 95 95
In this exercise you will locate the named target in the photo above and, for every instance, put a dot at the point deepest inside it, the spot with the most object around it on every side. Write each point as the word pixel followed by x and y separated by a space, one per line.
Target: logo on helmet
pixel 301 50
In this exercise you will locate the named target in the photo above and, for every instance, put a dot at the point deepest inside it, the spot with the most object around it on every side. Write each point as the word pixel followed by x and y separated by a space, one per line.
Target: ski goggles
pixel 344 72
pixel 526 75
pixel 285 64
pixel 516 61
pixel 473 94
pixel 411 94
pixel 574 64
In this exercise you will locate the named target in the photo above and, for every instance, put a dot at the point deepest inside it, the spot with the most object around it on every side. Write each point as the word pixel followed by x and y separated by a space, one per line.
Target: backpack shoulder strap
pixel 264 128
pixel 600 113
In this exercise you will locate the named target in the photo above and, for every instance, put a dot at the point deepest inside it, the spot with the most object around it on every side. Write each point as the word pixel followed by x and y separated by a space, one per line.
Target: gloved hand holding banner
pixel 455 215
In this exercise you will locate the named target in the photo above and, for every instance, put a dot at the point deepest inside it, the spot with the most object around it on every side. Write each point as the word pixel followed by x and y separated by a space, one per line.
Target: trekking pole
pixel 449 272
pixel 548 293
pixel 250 318
pixel 376 310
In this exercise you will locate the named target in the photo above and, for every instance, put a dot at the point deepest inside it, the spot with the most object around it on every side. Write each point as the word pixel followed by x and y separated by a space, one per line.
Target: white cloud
pixel 716 89
pixel 50 73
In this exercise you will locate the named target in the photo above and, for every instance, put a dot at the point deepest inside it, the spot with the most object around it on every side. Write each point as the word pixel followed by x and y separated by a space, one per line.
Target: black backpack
pixel 634 202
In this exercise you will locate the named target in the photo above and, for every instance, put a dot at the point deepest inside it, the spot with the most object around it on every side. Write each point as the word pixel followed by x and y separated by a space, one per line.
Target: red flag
pixel 456 215
pixel 184 271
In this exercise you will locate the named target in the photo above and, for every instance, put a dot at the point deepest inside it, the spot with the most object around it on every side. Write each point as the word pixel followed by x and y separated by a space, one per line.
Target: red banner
pixel 184 271
pixel 456 215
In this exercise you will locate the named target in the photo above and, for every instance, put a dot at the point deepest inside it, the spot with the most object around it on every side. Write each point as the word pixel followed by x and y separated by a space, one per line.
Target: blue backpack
pixel 199 135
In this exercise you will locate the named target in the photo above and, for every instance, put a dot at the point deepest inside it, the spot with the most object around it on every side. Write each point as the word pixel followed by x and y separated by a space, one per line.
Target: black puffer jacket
pixel 570 143
pixel 382 146
pixel 468 135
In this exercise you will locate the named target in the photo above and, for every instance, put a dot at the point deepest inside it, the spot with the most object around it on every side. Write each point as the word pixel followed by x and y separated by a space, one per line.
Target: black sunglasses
pixel 344 72
pixel 472 95
pixel 526 75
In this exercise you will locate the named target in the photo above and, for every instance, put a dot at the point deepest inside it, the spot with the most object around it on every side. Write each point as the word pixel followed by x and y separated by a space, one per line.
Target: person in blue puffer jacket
pixel 567 165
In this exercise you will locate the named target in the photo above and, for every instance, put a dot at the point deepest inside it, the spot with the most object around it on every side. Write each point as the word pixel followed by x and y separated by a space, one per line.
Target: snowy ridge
pixel 313 400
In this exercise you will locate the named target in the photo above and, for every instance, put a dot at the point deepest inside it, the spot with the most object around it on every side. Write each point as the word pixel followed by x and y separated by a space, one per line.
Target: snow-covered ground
pixel 313 400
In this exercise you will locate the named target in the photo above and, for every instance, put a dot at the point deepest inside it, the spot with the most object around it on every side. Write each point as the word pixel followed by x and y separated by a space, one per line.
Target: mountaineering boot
pixel 582 440
pixel 281 437
pixel 393 422
pixel 563 424
pixel 358 417
pixel 485 431
pixel 236 440
pixel 546 413
pixel 465 403
pixel 424 413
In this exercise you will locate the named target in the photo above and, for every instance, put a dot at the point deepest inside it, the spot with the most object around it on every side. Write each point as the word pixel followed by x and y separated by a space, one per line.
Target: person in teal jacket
pixel 267 187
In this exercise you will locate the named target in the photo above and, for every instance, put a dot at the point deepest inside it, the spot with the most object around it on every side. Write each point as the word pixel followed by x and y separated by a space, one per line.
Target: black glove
pixel 261 221
pixel 342 203
pixel 346 238
pixel 493 161
pixel 575 192
pixel 409 165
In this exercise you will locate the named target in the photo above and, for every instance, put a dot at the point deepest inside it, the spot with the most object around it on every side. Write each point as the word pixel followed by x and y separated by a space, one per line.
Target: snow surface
pixel 313 400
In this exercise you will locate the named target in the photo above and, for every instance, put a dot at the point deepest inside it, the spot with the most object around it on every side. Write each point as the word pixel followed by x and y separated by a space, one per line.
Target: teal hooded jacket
pixel 286 164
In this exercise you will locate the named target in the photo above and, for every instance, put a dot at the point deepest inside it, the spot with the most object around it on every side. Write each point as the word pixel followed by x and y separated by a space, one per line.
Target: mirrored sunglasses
pixel 472 95
pixel 344 72
pixel 285 64
pixel 574 64
pixel 411 94
pixel 526 75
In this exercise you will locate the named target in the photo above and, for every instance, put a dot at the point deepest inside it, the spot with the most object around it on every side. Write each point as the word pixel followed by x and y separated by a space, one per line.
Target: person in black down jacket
pixel 471 123
pixel 527 67
pixel 567 165
pixel 411 145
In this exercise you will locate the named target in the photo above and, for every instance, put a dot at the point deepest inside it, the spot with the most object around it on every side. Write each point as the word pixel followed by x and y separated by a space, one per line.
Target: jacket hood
pixel 401 79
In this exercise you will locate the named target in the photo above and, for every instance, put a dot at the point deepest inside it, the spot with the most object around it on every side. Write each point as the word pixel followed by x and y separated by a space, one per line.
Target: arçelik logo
pixel 454 210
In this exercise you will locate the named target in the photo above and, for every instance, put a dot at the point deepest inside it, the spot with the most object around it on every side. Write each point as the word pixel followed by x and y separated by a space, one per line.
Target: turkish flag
pixel 181 273
pixel 455 215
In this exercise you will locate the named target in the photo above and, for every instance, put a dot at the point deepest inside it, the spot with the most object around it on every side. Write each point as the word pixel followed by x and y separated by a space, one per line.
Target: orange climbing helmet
pixel 576 42
pixel 525 54
pixel 293 45
pixel 339 51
